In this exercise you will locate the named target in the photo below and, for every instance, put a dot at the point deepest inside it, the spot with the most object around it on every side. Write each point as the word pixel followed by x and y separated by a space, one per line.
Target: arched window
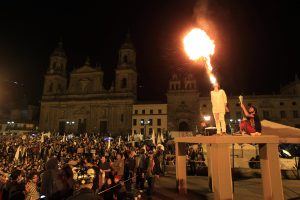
pixel 124 83
pixel 183 126
pixel 125 59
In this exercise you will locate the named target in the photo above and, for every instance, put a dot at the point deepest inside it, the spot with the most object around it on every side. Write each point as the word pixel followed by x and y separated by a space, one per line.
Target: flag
pixel 108 145
pixel 119 143
pixel 86 135
pixel 42 138
pixel 17 153
pixel 162 137
pixel 153 137
pixel 48 134
pixel 128 139
pixel 159 139
pixel 64 138
pixel 141 136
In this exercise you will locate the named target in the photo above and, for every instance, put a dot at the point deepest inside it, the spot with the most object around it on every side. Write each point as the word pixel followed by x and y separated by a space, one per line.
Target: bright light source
pixel 239 120
pixel 286 152
pixel 206 118
pixel 231 120
pixel 73 122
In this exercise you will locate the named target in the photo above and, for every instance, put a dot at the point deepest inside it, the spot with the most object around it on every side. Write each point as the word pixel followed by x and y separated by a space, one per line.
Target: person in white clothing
pixel 219 107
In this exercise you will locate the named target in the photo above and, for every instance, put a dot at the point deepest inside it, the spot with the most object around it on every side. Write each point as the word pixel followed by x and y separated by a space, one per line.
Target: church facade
pixel 78 102
pixel 186 108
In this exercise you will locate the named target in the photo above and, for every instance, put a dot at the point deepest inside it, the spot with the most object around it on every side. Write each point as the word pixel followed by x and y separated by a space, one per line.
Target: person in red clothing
pixel 251 124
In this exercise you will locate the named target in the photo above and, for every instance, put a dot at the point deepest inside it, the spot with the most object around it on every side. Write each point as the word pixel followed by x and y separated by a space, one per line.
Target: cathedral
pixel 78 102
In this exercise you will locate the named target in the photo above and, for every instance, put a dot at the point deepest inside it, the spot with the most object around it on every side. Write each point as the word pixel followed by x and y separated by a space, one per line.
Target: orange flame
pixel 198 45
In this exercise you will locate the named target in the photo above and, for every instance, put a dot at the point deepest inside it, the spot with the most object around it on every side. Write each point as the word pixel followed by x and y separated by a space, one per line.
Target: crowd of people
pixel 83 167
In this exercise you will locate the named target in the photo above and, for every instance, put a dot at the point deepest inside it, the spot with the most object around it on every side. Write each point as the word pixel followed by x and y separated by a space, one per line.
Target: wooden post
pixel 181 181
pixel 270 170
pixel 222 180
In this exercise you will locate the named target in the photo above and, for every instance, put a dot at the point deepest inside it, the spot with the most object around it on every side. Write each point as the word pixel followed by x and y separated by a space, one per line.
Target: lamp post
pixel 70 124
pixel 10 124
pixel 207 119
pixel 145 126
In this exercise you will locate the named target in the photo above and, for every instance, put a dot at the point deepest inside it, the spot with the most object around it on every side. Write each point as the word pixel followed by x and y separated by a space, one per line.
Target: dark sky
pixel 257 42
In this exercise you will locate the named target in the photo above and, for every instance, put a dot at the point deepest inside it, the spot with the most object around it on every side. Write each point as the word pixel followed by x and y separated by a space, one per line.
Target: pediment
pixel 85 69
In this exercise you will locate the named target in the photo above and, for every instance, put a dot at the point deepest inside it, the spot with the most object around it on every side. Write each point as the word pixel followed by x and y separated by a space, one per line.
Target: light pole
pixel 70 124
pixel 10 124
pixel 145 126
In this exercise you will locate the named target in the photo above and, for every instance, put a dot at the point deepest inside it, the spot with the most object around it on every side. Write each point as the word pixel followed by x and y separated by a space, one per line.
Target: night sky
pixel 257 42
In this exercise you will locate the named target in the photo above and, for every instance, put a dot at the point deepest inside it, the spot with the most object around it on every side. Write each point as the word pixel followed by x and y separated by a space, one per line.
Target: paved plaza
pixel 246 189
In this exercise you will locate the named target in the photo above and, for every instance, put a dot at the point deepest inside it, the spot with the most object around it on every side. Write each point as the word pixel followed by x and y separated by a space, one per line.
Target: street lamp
pixel 206 118
pixel 145 125
pixel 10 124
pixel 71 124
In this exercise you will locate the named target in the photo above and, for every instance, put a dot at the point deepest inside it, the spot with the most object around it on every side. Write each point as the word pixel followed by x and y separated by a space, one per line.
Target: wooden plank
pixel 229 139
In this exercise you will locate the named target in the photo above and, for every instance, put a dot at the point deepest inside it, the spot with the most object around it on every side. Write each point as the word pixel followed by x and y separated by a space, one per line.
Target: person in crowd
pixel 15 187
pixel 52 184
pixel 104 171
pixel 31 187
pixel 140 170
pixel 85 193
pixel 130 168
pixel 192 159
pixel 67 177
pixel 152 172
pixel 250 124
pixel 219 107
pixel 120 189
pixel 106 192
pixel 118 165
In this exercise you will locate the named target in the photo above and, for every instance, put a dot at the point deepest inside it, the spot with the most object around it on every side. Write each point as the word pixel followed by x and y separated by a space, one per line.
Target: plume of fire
pixel 198 45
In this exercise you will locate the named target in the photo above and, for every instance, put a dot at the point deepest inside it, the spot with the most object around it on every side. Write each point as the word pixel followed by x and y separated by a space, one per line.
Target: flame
pixel 198 45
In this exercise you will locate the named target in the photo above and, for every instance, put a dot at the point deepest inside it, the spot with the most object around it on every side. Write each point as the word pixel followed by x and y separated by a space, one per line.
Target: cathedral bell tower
pixel 55 79
pixel 126 75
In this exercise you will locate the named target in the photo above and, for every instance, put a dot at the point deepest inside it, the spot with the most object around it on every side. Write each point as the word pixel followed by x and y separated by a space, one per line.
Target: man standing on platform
pixel 219 107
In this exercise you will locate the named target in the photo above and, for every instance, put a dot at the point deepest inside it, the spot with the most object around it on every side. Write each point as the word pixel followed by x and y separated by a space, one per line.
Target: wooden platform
pixel 220 167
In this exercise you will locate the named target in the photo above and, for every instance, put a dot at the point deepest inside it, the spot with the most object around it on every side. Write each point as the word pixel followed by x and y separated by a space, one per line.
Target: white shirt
pixel 218 101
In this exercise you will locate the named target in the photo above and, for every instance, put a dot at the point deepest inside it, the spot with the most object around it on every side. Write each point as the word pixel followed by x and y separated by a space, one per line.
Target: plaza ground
pixel 244 189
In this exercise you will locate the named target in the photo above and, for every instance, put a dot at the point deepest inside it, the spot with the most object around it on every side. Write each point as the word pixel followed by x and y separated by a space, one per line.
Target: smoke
pixel 204 17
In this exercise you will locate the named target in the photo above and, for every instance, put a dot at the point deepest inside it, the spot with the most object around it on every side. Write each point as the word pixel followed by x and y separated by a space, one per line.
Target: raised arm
pixel 245 111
